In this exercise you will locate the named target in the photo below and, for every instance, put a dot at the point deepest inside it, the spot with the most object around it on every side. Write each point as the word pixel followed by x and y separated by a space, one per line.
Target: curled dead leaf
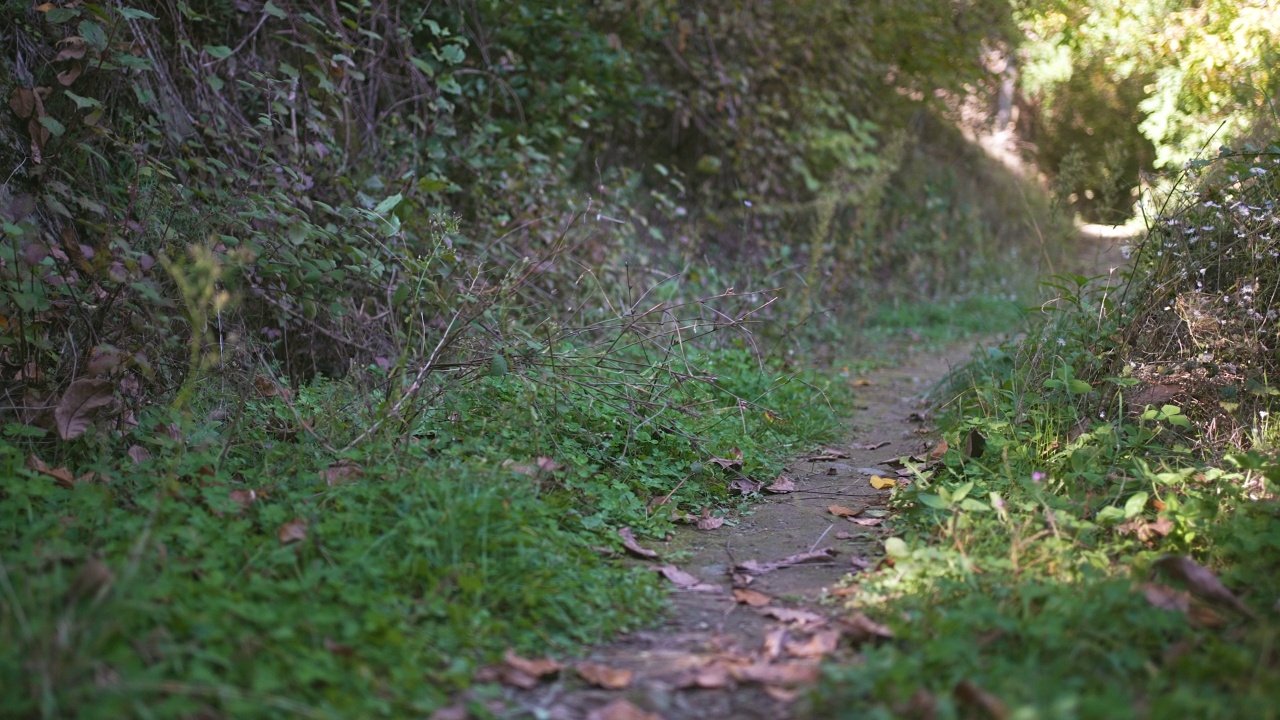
pixel 784 484
pixel 842 511
pixel 620 709
pixel 1201 582
pixel 1166 598
pixel 293 531
pixel 538 668
pixel 684 580
pixel 138 454
pixel 755 567
pixel 754 598
pixel 859 628
pixel 794 616
pixel 975 697
pixel 629 542
pixel 935 455
pixel 706 522
pixel 62 477
pixel 244 498
pixel 822 642
pixel 777 674
pixel 600 675
pixel 881 483
pixel 746 486
pixel 341 472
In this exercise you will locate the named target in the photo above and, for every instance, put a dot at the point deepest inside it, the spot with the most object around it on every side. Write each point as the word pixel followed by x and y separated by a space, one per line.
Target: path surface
pixel 717 657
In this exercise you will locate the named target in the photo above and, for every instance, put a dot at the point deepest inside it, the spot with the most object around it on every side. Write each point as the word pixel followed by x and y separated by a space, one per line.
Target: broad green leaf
pixel 1135 504
pixel 1181 421
pixel 93 34
pixel 218 51
pixel 53 126
pixel 1077 387
pixel 933 501
pixel 61 15
pixel 961 492
pixel 1171 410
pixel 896 547
pixel 388 204
pixel 1110 515
pixel 134 14
pixel 81 101
pixel 971 505
pixel 271 9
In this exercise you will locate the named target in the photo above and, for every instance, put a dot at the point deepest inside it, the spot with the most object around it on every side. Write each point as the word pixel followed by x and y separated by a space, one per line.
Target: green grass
pixel 168 590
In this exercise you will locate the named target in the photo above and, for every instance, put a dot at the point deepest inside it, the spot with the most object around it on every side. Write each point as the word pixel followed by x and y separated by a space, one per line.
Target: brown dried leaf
pixel 746 486
pixel 785 673
pixel 244 498
pixel 629 542
pixel 80 405
pixel 706 522
pixel 842 511
pixel 973 696
pixel 784 484
pixel 774 641
pixel 1201 582
pixel 974 444
pixel 862 382
pixel 794 616
pixel 1166 598
pixel 68 76
pixel 935 455
pixel 609 678
pixel 341 472
pixel 861 628
pixel 293 531
pixel 138 454
pixel 866 522
pixel 62 477
pixel 827 455
pixel 754 598
pixel 22 101
pixel 73 48
pixel 816 645
pixel 874 446
pixel 541 667
pixel 621 710
pixel 684 580
pixel 844 535
pixel 732 463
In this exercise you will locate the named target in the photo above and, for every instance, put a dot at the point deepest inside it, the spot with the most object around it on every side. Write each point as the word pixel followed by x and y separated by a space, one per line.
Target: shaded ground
pixel 718 657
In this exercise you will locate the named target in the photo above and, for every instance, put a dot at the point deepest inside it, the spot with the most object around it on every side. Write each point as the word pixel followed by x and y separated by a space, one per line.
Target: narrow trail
pixel 725 653
pixel 716 656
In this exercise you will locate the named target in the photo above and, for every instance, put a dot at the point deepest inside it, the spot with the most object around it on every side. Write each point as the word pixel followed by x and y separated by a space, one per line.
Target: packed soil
pixel 716 656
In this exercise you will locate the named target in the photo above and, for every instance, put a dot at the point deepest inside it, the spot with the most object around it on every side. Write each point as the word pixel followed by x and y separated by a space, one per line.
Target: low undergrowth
pixel 236 567
pixel 1100 537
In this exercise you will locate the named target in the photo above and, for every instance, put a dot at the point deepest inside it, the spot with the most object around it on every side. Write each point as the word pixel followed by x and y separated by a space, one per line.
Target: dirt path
pixel 718 657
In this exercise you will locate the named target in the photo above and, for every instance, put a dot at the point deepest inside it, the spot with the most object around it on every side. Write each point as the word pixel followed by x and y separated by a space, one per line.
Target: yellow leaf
pixel 880 483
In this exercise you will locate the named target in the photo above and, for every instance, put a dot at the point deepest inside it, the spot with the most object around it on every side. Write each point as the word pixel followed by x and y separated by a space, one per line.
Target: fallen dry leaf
pixel 794 615
pixel 541 466
pixel 730 463
pixel 844 535
pixel 684 580
pixel 784 484
pixel 341 472
pixel 621 710
pixel 1201 582
pixel 746 486
pixel 706 522
pixel 783 673
pixel 881 483
pixel 138 454
pixel 935 455
pixel 827 455
pixel 80 405
pixel 782 694
pixel 842 511
pixel 755 567
pixel 629 542
pixel 816 645
pixel 601 675
pixel 754 598
pixel 244 498
pixel 972 695
pixel 774 641
pixel 293 531
pixel 537 668
pixel 974 444
pixel 456 711
pixel 62 477
pixel 860 628
pixel 1166 598
pixel 861 382
pixel 874 446
pixel 867 522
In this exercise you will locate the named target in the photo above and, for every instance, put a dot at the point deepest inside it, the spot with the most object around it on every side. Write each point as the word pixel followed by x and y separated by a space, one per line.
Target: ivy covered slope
pixel 1101 538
